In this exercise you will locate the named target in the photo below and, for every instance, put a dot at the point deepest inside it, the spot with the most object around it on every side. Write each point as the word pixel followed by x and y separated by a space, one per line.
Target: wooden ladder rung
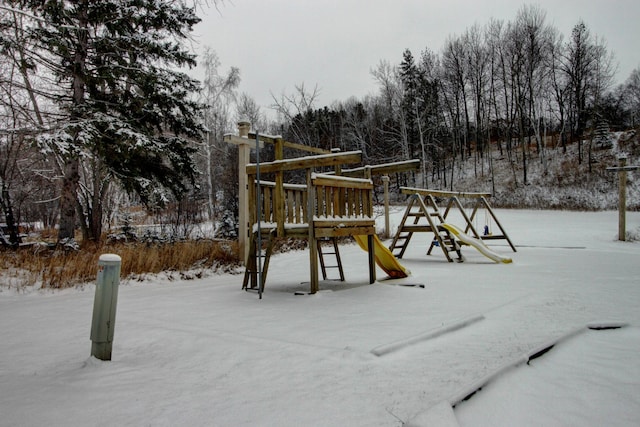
pixel 336 253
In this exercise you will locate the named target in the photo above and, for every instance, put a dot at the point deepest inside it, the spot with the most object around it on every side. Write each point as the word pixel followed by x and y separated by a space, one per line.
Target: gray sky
pixel 334 44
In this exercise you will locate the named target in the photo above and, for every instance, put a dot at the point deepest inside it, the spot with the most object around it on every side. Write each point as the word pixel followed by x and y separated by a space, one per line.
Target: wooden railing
pixel 342 206
pixel 335 199
pixel 293 209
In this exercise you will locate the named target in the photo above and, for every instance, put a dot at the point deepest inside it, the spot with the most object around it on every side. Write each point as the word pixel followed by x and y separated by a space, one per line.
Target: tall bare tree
pixel 218 96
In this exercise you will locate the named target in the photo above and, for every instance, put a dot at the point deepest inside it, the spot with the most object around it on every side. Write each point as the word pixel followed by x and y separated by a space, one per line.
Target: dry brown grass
pixel 61 269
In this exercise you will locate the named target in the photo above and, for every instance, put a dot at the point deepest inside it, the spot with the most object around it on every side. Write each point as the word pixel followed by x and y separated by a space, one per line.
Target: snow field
pixel 204 352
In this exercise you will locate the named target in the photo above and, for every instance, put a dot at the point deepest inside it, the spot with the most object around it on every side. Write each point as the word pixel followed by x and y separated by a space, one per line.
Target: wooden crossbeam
pixel 277 139
pixel 384 168
pixel 322 160
pixel 441 193
pixel 239 140
pixel 623 168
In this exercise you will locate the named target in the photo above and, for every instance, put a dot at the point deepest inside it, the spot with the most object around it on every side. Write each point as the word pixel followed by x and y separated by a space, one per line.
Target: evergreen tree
pixel 602 133
pixel 123 103
pixel 409 77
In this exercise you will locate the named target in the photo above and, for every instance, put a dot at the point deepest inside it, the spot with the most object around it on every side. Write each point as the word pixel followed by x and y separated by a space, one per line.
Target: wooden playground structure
pixel 335 202
pixel 327 206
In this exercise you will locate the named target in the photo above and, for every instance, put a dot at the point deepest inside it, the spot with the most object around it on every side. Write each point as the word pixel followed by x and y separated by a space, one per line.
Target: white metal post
pixel 104 306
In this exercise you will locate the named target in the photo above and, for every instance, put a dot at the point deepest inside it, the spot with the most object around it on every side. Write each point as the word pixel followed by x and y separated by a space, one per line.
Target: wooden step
pixel 336 253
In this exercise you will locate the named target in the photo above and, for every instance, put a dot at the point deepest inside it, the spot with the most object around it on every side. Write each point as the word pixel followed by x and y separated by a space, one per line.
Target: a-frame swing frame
pixel 428 199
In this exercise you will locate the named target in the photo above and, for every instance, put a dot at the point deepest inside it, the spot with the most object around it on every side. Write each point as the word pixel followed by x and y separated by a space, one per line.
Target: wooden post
pixel 622 169
pixel 370 239
pixel 313 246
pixel 278 196
pixel 372 258
pixel 244 151
pixel 279 148
pixel 367 175
pixel 385 181
pixel 622 199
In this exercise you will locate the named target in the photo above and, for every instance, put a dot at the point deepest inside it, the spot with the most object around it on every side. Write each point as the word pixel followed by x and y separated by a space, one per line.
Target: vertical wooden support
pixel 252 214
pixel 279 148
pixel 385 181
pixel 495 218
pixel 279 196
pixel 368 211
pixel 244 151
pixel 622 199
pixel 372 259
pixel 278 203
pixel 337 168
pixel 313 245
pixel 622 195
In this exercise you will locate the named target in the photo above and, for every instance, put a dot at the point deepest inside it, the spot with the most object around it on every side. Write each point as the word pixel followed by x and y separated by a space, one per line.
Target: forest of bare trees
pixel 92 125
pixel 518 87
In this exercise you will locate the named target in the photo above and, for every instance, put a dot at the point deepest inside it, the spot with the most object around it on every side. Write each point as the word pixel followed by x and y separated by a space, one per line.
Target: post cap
pixel 110 258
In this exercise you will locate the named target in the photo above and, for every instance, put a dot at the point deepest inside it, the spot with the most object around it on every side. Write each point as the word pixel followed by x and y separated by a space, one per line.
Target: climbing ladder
pixel 258 260
pixel 322 252
pixel 412 222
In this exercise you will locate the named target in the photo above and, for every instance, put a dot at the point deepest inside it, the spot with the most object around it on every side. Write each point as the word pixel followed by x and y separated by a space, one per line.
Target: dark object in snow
pixel 605 326
pixel 469 396
pixel 540 353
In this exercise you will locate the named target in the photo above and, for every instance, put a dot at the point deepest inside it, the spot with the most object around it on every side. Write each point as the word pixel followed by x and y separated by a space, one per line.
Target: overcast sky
pixel 334 44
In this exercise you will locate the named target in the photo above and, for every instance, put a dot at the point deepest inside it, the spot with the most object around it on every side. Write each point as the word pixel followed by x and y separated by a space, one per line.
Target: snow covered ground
pixel 203 352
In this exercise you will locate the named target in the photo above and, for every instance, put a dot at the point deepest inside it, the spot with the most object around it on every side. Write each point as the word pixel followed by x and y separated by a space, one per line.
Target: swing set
pixel 424 215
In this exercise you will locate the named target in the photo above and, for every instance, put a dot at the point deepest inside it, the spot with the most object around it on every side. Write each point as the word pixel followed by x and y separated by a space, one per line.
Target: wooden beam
pixel 271 139
pixel 623 169
pixel 440 193
pixel 332 181
pixel 321 160
pixel 384 169
pixel 240 140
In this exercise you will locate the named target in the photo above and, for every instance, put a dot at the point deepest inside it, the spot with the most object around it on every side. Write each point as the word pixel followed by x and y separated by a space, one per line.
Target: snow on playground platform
pixel 204 352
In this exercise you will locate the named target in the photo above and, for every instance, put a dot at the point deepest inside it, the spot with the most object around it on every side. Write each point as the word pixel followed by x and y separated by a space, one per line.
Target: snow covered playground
pixel 205 352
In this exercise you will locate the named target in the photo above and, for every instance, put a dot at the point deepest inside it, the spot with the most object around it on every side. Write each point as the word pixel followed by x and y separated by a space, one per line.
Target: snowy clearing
pixel 204 352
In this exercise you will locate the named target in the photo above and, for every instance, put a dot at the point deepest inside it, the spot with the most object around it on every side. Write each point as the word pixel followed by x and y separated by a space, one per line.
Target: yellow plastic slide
pixel 384 257
pixel 476 243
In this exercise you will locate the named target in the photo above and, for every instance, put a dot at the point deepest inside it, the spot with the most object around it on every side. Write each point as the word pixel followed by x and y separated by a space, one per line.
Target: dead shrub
pixel 59 268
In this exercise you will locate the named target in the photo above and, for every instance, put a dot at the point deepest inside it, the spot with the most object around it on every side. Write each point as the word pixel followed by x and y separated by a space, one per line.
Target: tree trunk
pixel 71 178
pixel 68 200
pixel 5 203
pixel 95 226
